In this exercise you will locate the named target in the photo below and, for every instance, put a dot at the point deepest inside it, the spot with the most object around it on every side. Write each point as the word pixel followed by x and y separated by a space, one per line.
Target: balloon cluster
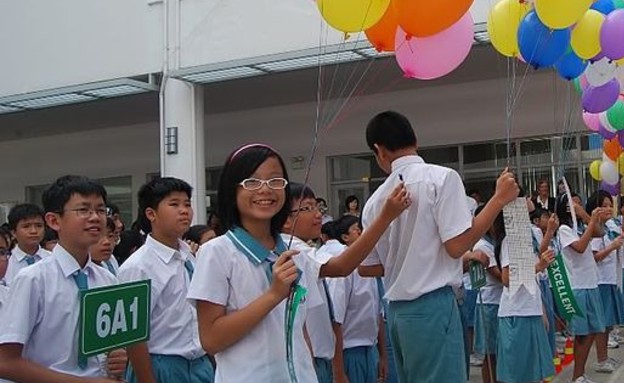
pixel 430 38
pixel 584 41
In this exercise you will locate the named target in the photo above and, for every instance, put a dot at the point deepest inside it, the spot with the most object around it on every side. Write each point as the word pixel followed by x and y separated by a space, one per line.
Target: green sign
pixel 477 275
pixel 114 316
pixel 562 290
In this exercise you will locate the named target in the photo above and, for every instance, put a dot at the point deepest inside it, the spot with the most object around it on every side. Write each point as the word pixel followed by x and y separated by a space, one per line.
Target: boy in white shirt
pixel 27 227
pixel 420 253
pixel 39 341
pixel 174 352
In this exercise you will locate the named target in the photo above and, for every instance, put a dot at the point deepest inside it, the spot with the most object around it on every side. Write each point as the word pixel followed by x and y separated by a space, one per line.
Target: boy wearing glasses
pixel 39 339
pixel 27 227
pixel 173 352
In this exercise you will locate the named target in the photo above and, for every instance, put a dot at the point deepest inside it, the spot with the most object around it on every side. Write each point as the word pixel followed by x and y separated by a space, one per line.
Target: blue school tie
pixel 30 259
pixel 110 267
pixel 80 277
pixel 188 265
pixel 330 304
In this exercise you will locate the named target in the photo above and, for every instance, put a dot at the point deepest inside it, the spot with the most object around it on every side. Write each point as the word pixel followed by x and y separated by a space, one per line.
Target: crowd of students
pixel 379 299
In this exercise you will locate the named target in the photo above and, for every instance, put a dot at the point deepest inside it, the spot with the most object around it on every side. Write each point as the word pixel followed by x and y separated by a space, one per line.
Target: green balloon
pixel 577 84
pixel 615 115
pixel 618 3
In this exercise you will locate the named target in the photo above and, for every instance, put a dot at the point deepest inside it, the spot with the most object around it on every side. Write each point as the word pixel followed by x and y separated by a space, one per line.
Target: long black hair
pixel 499 234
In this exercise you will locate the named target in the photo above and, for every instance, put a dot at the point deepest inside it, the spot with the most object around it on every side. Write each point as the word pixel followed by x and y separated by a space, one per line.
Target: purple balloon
pixel 604 133
pixel 612 35
pixel 620 136
pixel 597 99
pixel 611 189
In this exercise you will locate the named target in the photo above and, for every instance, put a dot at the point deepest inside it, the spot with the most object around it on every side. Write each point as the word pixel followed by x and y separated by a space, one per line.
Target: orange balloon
pixel 422 18
pixel 612 148
pixel 383 34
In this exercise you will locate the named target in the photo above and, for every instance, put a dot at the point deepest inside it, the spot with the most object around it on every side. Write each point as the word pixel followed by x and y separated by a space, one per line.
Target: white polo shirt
pixel 318 321
pixel 522 304
pixel 43 309
pixel 607 268
pixel 17 262
pixel 412 248
pixel 173 320
pixel 491 292
pixel 4 297
pixel 225 276
pixel 582 269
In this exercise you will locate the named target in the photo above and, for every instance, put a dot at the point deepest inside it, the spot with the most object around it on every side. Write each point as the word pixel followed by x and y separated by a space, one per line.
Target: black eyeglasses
pixel 307 209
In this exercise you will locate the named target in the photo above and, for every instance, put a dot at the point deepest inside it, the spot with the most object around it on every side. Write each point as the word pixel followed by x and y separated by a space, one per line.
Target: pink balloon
pixel 592 121
pixel 427 58
pixel 583 81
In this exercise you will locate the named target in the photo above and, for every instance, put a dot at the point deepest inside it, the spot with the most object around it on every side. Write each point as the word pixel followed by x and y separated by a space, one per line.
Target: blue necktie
pixel 110 267
pixel 30 259
pixel 82 283
pixel 188 265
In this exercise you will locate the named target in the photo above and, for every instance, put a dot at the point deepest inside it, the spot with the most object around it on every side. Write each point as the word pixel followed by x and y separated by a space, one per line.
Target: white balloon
pixel 609 172
pixel 604 121
pixel 600 72
pixel 619 73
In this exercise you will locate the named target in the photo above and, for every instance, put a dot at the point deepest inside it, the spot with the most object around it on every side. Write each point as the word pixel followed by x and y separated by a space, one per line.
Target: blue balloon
pixel 570 66
pixel 541 46
pixel 604 6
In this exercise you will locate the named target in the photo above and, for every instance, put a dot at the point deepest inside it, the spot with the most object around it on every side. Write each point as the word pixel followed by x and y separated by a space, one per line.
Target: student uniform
pixel 611 297
pixel 43 310
pixel 319 319
pixel 523 352
pixel 547 296
pixel 419 273
pixel 111 265
pixel 174 346
pixel 583 274
pixel 233 270
pixel 486 312
pixel 20 260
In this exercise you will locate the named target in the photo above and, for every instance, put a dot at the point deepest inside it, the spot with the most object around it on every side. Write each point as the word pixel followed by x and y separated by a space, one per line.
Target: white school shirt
pixel 43 309
pixel 582 269
pixel 607 270
pixel 538 236
pixel 491 292
pixel 522 304
pixel 318 321
pixel 225 276
pixel 173 320
pixel 17 262
pixel 412 248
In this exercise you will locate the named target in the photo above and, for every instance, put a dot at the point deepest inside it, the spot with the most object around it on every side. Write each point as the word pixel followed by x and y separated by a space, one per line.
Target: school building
pixel 123 91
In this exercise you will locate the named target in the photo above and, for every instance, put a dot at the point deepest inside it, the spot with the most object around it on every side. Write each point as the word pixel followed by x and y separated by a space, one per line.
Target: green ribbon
pixel 292 304
pixel 562 289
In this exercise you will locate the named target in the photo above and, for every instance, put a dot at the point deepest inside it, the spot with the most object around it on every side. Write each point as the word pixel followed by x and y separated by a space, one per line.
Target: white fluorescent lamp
pixel 222 74
pixel 8 109
pixel 311 61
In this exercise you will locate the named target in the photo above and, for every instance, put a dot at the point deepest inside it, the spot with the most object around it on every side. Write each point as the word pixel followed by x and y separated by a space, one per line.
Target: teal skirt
pixel 523 354
pixel 612 304
pixel 592 319
pixel 324 371
pixel 360 364
pixel 173 368
pixel 486 329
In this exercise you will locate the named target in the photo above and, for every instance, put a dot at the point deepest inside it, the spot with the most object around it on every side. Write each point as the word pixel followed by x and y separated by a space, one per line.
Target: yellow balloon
pixel 594 170
pixel 620 163
pixel 503 23
pixel 620 62
pixel 585 39
pixel 560 14
pixel 352 15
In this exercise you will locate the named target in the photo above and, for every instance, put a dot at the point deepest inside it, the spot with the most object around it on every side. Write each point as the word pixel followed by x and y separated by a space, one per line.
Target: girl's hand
pixel 116 363
pixel 284 274
pixel 506 187
pixel 546 258
pixel 481 257
pixel 600 214
pixel 618 242
pixel 193 245
pixel 553 223
pixel 397 202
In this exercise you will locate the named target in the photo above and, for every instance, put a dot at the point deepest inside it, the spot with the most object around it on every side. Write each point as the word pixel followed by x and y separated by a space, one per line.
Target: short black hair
pixel 342 226
pixel 299 192
pixel 329 229
pixel 60 192
pixel 595 200
pixel 153 192
pixel 21 212
pixel 195 233
pixel 129 241
pixel 49 235
pixel 4 233
pixel 538 213
pixel 319 200
pixel 391 130
pixel 110 224
pixel 241 164
pixel 350 199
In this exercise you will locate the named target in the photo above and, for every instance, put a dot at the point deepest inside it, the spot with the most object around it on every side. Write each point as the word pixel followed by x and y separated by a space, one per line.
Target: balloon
pixel 597 99
pixel 603 6
pixel 605 124
pixel 609 172
pixel 426 58
pixel 592 121
pixel 594 170
pixel 422 18
pixel 619 4
pixel 570 66
pixel 612 35
pixel 559 14
pixel 606 133
pixel 600 72
pixel 382 34
pixel 352 15
pixel 611 189
pixel 577 85
pixel 540 45
pixel 620 137
pixel 502 26
pixel 612 149
pixel 585 39
pixel 615 115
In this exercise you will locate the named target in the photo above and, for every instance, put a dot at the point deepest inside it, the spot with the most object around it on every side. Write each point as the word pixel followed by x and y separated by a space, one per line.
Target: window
pixel 488 155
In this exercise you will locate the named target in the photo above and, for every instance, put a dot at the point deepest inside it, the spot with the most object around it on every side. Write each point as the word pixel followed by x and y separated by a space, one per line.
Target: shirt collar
pixel 68 263
pixel 401 162
pixel 166 253
pixel 248 245
pixel 19 254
